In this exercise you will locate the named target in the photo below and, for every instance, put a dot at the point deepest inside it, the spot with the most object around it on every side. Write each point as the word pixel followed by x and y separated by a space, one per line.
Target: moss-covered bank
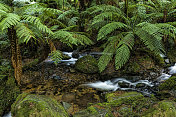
pixel 8 93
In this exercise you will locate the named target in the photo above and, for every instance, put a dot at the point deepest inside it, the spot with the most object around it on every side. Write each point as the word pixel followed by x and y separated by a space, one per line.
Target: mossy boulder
pixel 169 84
pixel 87 64
pixel 168 88
pixel 30 105
pixel 119 103
pixel 8 93
pixel 163 109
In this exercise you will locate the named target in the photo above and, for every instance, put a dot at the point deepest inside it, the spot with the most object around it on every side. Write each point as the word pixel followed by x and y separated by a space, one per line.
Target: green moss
pixel 87 64
pixel 169 84
pixel 126 104
pixel 133 67
pixel 28 105
pixel 164 109
pixel 8 93
pixel 171 53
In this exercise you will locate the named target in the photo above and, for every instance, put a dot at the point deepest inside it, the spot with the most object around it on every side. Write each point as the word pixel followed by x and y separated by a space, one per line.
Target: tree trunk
pixel 15 55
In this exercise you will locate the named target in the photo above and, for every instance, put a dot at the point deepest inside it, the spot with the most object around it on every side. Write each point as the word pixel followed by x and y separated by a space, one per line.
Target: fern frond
pixel 66 14
pixel 127 40
pixel 104 8
pixel 82 39
pixel 24 33
pixel 73 21
pixel 112 16
pixel 109 28
pixel 65 37
pixel 122 56
pixel 152 41
pixel 36 21
pixel 167 29
pixel 4 7
pixel 10 20
pixel 106 57
pixel 97 25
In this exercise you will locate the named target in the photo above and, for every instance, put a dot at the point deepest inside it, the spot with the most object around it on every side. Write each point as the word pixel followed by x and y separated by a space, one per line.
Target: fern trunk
pixel 15 55
pixel 126 7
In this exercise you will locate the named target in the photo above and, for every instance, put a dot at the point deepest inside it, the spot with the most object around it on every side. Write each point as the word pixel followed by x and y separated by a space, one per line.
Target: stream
pixel 146 87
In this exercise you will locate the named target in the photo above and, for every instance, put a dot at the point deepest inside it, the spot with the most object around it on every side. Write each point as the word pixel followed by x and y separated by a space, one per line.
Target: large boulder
pixel 87 64
pixel 8 93
pixel 30 105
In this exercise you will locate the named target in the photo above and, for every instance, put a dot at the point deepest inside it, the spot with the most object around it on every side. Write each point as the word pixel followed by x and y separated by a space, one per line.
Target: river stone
pixel 31 105
pixel 8 93
pixel 87 64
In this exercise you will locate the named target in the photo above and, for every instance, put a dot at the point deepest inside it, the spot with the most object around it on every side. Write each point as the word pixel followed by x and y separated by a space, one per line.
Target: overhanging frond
pixel 10 20
pixel 36 21
pixel 24 33
pixel 122 56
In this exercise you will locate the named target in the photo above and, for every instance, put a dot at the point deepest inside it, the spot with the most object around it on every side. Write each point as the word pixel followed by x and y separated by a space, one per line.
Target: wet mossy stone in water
pixel 31 105
pixel 8 93
pixel 87 64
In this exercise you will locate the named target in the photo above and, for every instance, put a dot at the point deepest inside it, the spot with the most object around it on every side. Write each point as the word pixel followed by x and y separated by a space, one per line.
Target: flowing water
pixel 143 86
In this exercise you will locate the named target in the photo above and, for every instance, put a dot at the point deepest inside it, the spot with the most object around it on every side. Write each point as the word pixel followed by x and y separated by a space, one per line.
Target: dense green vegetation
pixel 119 26
pixel 128 35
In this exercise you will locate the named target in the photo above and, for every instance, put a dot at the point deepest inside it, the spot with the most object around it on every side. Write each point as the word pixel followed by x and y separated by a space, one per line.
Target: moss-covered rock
pixel 120 103
pixel 163 109
pixel 87 64
pixel 8 93
pixel 30 105
pixel 169 84
pixel 168 88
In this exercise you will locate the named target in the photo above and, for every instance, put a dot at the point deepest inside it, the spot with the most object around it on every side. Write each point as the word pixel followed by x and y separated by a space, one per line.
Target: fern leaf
pixel 24 33
pixel 128 40
pixel 10 20
pixel 65 37
pixel 152 41
pixel 109 28
pixel 4 7
pixel 106 57
pixel 112 16
pixel 82 39
pixel 122 56
pixel 36 21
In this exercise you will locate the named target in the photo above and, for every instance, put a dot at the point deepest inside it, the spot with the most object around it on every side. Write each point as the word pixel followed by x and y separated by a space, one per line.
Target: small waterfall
pixel 113 85
pixel 172 69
